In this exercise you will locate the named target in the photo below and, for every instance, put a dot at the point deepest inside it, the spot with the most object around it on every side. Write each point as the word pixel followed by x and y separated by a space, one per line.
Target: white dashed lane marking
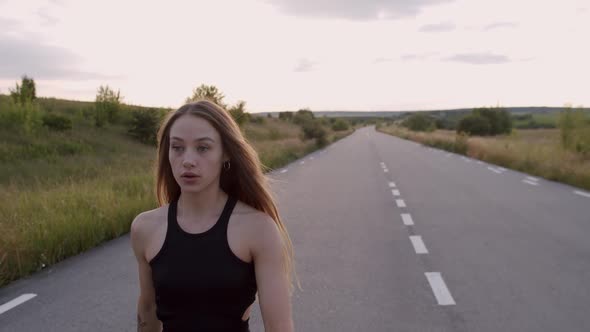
pixel 495 170
pixel 400 203
pixel 407 218
pixel 418 244
pixel 392 184
pixel 439 288
pixel 395 192
pixel 581 193
pixel 18 301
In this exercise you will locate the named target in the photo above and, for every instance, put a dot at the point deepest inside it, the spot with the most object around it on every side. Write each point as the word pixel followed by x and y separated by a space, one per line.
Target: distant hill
pixel 70 105
pixel 441 113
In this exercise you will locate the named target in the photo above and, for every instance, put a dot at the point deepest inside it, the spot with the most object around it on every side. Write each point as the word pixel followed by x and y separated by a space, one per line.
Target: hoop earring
pixel 226 165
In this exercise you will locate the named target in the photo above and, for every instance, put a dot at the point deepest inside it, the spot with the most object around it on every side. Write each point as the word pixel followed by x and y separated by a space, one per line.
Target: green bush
pixel 287 116
pixel 340 125
pixel 498 118
pixel 257 119
pixel 144 125
pixel 314 130
pixel 25 117
pixel 107 106
pixel 575 130
pixel 420 122
pixel 474 124
pixel 57 122
pixel 303 116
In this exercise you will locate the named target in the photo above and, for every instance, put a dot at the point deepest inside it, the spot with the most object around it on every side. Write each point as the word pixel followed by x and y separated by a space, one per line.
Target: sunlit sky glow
pixel 361 55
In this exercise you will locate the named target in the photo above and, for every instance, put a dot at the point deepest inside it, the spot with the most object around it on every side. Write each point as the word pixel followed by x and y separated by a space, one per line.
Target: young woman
pixel 217 239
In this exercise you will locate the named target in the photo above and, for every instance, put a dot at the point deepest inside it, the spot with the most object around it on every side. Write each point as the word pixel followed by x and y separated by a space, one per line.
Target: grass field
pixel 64 193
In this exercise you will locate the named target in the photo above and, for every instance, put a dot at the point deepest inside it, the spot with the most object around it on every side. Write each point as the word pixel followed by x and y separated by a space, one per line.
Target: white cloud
pixel 499 25
pixel 355 10
pixel 439 27
pixel 304 65
pixel 479 58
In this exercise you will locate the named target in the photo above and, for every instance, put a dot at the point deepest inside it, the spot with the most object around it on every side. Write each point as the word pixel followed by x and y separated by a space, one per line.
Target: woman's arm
pixel 271 279
pixel 147 320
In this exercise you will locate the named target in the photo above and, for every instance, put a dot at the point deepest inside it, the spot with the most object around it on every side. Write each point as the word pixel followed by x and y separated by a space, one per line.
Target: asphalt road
pixel 388 235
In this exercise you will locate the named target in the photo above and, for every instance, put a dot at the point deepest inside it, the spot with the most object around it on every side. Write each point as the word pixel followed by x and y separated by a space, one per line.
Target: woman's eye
pixel 175 148
pixel 203 148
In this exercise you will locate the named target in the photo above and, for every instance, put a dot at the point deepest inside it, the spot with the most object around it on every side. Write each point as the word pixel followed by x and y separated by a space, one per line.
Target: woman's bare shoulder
pixel 146 221
pixel 249 215
pixel 255 221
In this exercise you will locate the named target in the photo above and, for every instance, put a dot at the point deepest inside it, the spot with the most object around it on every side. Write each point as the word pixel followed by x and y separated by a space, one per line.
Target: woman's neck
pixel 196 206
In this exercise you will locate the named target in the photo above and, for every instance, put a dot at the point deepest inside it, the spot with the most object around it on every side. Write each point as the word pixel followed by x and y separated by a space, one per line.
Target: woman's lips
pixel 190 178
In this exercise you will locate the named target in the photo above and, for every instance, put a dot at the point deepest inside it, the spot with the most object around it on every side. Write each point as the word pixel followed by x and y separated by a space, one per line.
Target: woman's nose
pixel 187 163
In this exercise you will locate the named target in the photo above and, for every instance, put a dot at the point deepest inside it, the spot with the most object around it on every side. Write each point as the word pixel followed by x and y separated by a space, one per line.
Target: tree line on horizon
pixel 25 113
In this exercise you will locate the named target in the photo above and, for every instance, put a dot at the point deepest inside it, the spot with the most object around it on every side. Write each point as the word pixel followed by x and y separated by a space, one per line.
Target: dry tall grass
pixel 533 151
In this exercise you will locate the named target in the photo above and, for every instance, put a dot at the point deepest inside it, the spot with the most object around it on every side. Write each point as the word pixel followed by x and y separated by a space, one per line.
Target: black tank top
pixel 200 284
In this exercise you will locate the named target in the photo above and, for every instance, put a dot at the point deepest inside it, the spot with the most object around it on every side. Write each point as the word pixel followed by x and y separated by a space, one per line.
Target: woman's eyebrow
pixel 198 139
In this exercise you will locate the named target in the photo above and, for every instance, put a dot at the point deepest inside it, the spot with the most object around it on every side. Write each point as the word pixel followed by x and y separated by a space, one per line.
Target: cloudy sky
pixel 288 54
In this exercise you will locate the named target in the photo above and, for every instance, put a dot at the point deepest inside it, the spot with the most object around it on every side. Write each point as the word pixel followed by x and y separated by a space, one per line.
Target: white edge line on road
pixel 418 244
pixel 395 192
pixel 495 170
pixel 407 218
pixel 530 182
pixel 530 178
pixel 18 301
pixel 581 193
pixel 439 288
pixel 400 203
pixel 284 171
pixel 392 184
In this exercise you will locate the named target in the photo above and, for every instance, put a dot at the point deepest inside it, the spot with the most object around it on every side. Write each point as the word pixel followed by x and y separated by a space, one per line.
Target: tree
pixel 107 105
pixel 499 119
pixel 238 112
pixel 208 92
pixel 474 124
pixel 287 116
pixel 25 92
pixel 303 116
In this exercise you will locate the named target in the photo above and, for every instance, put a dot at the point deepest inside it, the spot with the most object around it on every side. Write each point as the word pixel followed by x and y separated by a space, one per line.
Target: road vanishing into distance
pixel 389 235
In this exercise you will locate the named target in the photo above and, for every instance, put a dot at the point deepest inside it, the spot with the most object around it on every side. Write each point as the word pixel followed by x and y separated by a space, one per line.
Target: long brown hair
pixel 244 180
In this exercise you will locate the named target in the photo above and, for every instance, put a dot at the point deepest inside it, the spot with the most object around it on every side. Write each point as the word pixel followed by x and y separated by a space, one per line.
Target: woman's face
pixel 195 146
